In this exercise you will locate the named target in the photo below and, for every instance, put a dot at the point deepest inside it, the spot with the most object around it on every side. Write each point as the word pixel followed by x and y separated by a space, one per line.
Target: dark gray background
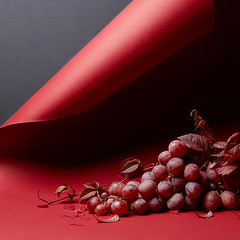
pixel 37 37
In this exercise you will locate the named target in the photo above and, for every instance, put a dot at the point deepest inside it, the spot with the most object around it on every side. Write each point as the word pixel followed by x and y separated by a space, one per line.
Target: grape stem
pixel 57 200
pixel 204 165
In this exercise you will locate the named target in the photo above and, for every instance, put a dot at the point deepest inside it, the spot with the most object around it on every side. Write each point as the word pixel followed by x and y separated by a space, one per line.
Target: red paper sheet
pixel 144 34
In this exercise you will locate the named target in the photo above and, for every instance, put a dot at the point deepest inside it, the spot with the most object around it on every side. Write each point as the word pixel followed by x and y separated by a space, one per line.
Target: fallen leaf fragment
pixel 113 219
pixel 208 215
pixel 43 206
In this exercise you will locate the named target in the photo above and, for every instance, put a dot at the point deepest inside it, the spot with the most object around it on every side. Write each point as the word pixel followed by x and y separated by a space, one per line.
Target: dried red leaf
pixel 94 185
pixel 65 189
pixel 232 141
pixel 43 205
pixel 235 156
pixel 225 169
pixel 202 126
pixel 132 168
pixel 195 142
pixel 175 212
pixel 220 144
pixel 86 194
pixel 208 215
pixel 113 219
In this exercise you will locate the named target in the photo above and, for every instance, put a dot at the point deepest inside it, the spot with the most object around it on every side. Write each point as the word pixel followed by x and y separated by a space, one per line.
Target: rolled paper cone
pixel 143 35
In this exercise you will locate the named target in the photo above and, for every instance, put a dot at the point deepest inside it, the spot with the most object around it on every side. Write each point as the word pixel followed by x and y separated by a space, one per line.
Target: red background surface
pixel 22 219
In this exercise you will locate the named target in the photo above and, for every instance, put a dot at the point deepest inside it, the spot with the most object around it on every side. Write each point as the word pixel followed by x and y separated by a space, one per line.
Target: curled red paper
pixel 144 34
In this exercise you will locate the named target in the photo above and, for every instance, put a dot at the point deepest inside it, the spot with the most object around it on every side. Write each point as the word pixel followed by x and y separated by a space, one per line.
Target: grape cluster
pixel 172 184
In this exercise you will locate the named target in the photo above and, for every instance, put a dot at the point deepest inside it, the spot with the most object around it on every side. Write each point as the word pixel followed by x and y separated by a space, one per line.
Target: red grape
pixel 155 204
pixel 116 188
pixel 191 172
pixel 212 175
pixel 193 190
pixel 139 206
pixel 148 176
pixel 178 183
pixel 104 195
pixel 100 210
pixel 160 172
pixel 136 183
pixel 175 202
pixel 177 148
pixel 108 203
pixel 164 157
pixel 130 192
pixel 203 180
pixel 119 207
pixel 92 203
pixel 165 189
pixel 147 189
pixel 190 203
pixel 175 166
pixel 211 201
pixel 229 200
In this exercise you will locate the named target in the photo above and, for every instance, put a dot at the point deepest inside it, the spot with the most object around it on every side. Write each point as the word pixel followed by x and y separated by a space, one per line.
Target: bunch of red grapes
pixel 173 184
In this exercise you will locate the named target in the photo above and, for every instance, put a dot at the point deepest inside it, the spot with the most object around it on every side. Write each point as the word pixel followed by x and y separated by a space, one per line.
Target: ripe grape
pixel 203 180
pixel 104 195
pixel 160 172
pixel 175 166
pixel 175 202
pixel 193 190
pixel 164 157
pixel 92 203
pixel 212 175
pixel 116 188
pixel 165 189
pixel 119 207
pixel 148 176
pixel 156 204
pixel 177 148
pixel 147 189
pixel 139 206
pixel 190 203
pixel 211 201
pixel 136 183
pixel 130 192
pixel 191 172
pixel 178 183
pixel 108 203
pixel 100 210
pixel 229 200
pixel 213 186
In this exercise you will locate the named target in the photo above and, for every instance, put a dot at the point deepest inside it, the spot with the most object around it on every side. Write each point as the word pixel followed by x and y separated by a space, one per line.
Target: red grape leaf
pixel 132 168
pixel 232 141
pixel 195 142
pixel 63 189
pixel 232 181
pixel 220 144
pixel 235 156
pixel 208 215
pixel 113 219
pixel 175 212
pixel 202 126
pixel 94 185
pixel 225 169
pixel 86 194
